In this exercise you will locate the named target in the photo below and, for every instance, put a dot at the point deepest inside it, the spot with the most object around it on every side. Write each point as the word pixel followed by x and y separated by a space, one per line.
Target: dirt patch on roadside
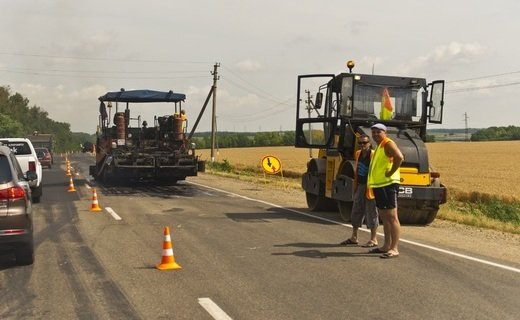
pixel 478 242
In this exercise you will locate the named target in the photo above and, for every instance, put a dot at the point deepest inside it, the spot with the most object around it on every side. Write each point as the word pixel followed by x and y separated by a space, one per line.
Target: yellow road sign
pixel 271 164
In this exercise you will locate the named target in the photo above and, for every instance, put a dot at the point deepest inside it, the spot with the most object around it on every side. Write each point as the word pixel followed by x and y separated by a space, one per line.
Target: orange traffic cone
pixel 68 171
pixel 71 186
pixel 168 260
pixel 95 205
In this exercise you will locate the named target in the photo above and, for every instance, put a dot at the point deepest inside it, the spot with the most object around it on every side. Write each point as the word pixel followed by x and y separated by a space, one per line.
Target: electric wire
pixel 65 71
pixel 255 87
pixel 100 59
pixel 485 77
pixel 483 87
pixel 96 77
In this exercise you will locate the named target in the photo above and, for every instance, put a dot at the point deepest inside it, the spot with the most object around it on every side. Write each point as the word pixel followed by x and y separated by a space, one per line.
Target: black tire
pixel 25 255
pixel 345 210
pixel 37 193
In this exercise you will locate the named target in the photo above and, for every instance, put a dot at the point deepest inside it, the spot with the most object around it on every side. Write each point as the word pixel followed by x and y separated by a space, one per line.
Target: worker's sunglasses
pixel 363 142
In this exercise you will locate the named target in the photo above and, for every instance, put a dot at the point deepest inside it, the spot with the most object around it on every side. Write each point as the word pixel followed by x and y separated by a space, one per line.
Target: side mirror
pixel 31 175
pixel 319 99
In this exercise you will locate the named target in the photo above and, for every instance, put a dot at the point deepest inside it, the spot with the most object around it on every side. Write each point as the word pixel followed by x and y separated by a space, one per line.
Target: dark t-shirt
pixel 362 169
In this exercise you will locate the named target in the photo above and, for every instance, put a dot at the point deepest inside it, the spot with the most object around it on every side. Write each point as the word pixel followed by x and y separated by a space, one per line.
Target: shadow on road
pixel 280 213
pixel 317 254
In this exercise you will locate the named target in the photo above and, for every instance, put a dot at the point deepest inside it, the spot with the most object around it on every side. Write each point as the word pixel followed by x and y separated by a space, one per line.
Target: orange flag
pixel 386 106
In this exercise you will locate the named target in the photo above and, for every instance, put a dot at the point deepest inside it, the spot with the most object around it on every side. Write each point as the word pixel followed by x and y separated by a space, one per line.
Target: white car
pixel 28 160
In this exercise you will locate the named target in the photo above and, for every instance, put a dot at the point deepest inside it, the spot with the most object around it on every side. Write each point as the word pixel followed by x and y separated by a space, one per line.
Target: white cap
pixel 379 126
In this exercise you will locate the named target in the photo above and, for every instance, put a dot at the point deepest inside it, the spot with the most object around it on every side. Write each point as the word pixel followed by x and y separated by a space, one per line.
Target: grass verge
pixel 470 208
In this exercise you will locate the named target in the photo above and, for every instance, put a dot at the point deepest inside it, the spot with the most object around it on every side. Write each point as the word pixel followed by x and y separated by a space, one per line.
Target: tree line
pixel 18 119
pixel 497 133
pixel 244 139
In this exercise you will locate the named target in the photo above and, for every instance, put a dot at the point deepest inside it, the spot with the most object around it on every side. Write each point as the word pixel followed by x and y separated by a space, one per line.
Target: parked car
pixel 44 156
pixel 26 156
pixel 16 221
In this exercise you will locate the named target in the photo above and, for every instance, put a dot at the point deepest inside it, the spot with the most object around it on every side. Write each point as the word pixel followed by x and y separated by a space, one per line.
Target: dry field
pixel 483 167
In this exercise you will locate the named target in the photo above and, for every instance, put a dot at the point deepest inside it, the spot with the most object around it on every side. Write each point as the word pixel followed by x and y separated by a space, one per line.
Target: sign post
pixel 272 165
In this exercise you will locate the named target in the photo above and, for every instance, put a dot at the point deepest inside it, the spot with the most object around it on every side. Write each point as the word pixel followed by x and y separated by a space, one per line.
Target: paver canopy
pixel 143 96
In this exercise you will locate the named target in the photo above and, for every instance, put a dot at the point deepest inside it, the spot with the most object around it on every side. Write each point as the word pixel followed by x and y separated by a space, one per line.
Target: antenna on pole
pixel 466 131
pixel 309 109
pixel 214 109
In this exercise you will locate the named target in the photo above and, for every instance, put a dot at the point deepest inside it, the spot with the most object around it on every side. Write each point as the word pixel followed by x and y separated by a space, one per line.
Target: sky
pixel 62 55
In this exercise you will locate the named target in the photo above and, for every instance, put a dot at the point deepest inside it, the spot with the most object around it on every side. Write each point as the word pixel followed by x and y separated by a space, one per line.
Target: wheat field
pixel 482 167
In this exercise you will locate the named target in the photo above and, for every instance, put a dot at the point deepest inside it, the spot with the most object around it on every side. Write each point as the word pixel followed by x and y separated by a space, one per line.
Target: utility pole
pixel 309 109
pixel 466 126
pixel 213 113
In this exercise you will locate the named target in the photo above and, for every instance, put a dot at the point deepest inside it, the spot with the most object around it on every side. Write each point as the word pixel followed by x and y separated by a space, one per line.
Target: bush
pixel 224 166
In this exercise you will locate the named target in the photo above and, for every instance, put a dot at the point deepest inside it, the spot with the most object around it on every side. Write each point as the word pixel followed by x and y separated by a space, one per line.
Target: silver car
pixel 16 221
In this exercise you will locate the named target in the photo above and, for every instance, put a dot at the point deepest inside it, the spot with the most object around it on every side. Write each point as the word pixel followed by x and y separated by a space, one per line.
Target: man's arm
pixel 393 151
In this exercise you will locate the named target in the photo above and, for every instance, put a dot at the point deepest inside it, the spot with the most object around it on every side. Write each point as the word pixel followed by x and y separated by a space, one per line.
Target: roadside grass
pixel 482 210
pixel 470 208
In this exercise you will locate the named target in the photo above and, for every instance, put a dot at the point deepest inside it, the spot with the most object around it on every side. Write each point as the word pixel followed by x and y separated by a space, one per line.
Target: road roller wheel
pixel 345 210
pixel 319 203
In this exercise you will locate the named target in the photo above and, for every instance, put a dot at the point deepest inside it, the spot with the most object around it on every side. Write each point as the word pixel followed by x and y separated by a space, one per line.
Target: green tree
pixel 10 127
pixel 497 133
pixel 24 120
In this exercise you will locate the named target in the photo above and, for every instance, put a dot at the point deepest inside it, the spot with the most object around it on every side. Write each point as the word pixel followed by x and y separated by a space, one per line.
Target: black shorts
pixel 386 197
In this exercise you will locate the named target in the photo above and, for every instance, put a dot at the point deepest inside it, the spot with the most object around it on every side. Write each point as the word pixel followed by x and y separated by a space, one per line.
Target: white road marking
pixel 113 213
pixel 463 256
pixel 213 309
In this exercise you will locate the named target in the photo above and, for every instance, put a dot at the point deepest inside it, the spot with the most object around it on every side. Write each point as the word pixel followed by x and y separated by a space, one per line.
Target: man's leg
pixel 385 216
pixel 372 220
pixel 357 214
pixel 395 229
pixel 373 235
pixel 354 235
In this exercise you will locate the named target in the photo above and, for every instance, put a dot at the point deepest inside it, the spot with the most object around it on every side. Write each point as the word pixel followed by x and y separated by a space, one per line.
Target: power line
pixel 485 77
pixel 99 59
pixel 483 87
pixel 270 98
pixel 262 114
pixel 95 77
pixel 98 71
pixel 247 82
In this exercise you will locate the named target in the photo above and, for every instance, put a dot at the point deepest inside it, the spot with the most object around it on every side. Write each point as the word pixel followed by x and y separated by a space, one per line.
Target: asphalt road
pixel 240 258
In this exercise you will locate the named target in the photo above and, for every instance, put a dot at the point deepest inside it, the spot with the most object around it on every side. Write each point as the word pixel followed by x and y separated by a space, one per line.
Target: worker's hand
pixel 388 173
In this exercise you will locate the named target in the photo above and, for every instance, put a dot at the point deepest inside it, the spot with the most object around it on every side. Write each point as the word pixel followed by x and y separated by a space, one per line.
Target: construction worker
pixel 384 178
pixel 364 207
pixel 184 119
